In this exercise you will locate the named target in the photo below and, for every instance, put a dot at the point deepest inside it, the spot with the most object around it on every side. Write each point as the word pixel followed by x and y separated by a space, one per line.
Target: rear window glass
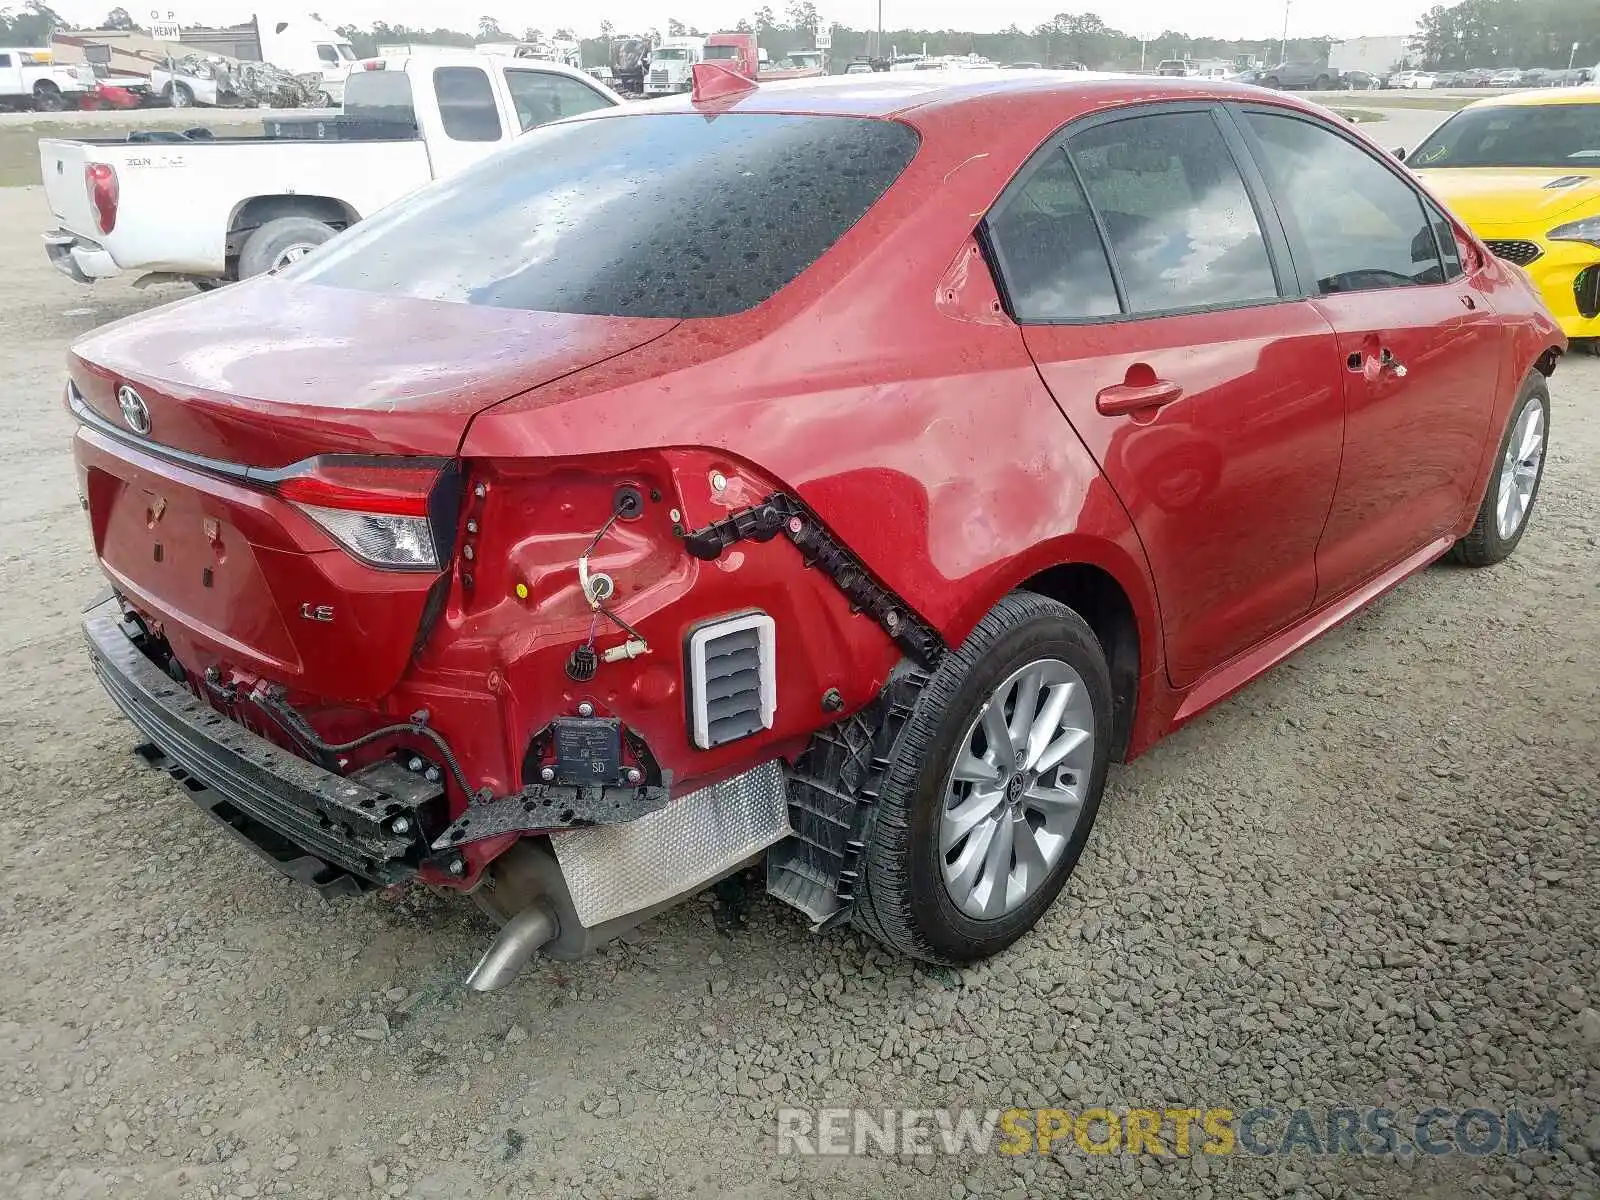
pixel 381 101
pixel 639 216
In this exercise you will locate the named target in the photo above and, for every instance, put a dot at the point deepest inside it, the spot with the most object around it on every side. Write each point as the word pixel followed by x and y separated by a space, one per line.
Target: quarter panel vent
pixel 733 679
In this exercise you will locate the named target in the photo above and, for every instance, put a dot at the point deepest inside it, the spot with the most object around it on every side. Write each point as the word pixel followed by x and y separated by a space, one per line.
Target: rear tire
pixel 1270 81
pixel 179 95
pixel 1514 484
pixel 904 899
pixel 281 242
pixel 1321 83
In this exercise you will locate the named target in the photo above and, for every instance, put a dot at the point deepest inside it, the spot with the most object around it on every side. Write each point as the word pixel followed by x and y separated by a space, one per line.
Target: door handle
pixel 1388 362
pixel 1123 398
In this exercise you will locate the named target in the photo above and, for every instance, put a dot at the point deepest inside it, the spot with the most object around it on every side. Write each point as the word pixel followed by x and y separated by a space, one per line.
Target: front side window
pixel 1048 249
pixel 672 55
pixel 542 96
pixel 649 215
pixel 1363 226
pixel 1182 229
pixel 466 104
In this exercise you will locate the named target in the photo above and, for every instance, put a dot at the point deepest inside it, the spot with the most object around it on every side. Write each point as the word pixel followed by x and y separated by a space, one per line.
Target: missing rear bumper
pixel 338 834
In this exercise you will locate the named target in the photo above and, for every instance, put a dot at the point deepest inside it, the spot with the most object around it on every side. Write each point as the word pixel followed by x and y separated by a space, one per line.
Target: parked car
pixel 1175 68
pixel 1359 81
pixel 1413 80
pixel 226 208
pixel 1510 77
pixel 1293 75
pixel 469 551
pixel 1524 172
pixel 30 78
pixel 1024 66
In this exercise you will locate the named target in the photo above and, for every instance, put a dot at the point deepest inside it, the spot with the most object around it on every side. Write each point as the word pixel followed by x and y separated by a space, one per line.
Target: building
pixel 1375 55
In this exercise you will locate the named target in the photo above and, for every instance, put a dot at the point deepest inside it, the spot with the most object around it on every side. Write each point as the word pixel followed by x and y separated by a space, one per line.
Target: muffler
pixel 513 947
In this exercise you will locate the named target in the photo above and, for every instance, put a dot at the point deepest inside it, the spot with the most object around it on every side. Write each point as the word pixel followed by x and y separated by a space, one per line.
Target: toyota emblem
pixel 134 413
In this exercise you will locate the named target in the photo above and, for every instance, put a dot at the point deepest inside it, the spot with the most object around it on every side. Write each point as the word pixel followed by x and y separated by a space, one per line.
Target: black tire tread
pixel 883 897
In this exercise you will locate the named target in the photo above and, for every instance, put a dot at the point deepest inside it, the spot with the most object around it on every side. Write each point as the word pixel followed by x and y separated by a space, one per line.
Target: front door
pixel 1146 287
pixel 1420 346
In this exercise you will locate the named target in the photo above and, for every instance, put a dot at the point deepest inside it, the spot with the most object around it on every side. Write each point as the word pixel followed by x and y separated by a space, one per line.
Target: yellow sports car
pixel 1524 172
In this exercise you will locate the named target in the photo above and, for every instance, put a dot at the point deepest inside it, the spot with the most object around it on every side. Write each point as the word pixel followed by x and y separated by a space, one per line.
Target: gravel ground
pixel 1371 879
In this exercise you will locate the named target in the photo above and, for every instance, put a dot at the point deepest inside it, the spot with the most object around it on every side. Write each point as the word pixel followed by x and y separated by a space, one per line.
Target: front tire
pixel 992 789
pixel 1519 469
pixel 179 95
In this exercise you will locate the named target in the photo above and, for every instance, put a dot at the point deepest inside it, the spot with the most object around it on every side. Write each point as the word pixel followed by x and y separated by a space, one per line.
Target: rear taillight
pixel 100 179
pixel 375 64
pixel 396 514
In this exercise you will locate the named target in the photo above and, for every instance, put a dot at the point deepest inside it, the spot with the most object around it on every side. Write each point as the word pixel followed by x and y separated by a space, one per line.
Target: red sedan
pixel 841 472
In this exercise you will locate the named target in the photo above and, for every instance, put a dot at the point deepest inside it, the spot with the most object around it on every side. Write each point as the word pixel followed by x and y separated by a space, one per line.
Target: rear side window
pixel 1183 231
pixel 380 101
pixel 1363 226
pixel 1050 253
pixel 5 60
pixel 668 215
pixel 542 96
pixel 466 104
pixel 328 54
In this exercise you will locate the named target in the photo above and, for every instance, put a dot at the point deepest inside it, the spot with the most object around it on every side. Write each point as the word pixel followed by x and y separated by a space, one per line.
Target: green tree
pixel 119 19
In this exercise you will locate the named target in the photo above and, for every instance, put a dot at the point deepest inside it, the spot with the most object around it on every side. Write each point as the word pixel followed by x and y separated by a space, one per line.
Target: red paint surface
pixel 957 454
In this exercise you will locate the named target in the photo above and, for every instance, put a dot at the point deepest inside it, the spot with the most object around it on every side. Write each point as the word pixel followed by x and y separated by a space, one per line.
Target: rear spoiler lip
pixel 266 477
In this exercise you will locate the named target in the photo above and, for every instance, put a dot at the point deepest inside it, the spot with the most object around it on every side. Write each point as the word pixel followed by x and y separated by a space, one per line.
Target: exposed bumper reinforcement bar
pixel 339 834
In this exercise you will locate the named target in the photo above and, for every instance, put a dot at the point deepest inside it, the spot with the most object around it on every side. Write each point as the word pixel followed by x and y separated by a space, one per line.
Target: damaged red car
pixel 839 474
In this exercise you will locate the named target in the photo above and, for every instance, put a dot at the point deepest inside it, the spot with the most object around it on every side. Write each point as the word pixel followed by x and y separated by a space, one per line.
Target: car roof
pixel 932 92
pixel 452 57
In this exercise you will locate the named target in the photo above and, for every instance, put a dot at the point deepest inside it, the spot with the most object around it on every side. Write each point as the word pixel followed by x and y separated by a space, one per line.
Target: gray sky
pixel 1223 18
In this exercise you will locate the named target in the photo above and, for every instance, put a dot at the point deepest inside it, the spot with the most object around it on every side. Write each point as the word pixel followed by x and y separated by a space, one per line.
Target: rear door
pixel 1420 346
pixel 465 122
pixel 1150 292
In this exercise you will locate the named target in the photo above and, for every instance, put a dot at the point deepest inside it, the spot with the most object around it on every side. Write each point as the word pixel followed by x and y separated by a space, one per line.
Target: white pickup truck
pixel 214 209
pixel 31 78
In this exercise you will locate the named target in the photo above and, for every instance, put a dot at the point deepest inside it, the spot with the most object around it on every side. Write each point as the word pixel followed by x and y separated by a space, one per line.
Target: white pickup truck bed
pixel 177 202
pixel 213 209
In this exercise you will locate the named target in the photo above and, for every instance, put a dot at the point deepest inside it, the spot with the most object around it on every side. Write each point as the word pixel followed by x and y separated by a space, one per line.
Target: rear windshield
pixel 640 216
pixel 380 102
pixel 1536 135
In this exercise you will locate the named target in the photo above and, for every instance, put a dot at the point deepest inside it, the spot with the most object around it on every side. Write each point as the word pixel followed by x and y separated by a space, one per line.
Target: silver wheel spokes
pixel 292 254
pixel 1519 470
pixel 1017 788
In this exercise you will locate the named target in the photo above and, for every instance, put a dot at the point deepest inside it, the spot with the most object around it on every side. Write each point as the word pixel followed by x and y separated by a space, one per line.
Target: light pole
pixel 1572 57
pixel 878 51
pixel 1283 46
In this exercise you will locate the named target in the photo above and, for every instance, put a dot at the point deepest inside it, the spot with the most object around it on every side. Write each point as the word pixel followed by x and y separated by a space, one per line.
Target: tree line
pixel 1472 33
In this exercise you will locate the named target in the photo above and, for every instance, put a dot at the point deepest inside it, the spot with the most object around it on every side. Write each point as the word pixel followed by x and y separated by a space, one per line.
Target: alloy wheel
pixel 1519 470
pixel 1016 791
pixel 292 254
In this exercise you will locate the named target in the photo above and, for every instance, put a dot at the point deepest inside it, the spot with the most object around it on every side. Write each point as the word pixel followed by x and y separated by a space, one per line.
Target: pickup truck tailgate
pixel 61 162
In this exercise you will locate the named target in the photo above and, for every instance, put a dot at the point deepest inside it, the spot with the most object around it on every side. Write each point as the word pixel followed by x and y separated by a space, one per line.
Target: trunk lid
pixel 192 518
pixel 61 166
pixel 269 372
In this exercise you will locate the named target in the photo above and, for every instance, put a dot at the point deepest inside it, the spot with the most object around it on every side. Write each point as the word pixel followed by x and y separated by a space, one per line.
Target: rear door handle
pixel 1131 398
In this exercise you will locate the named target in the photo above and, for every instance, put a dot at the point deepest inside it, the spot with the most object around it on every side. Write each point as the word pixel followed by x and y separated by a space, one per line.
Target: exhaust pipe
pixel 513 947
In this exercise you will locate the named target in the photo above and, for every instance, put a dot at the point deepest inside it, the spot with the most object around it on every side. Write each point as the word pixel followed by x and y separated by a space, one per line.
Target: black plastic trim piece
pixel 276 800
pixel 781 513
pixel 833 794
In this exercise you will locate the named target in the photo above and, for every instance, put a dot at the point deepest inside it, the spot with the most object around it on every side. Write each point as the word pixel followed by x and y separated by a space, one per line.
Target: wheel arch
pixel 1112 591
pixel 252 213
